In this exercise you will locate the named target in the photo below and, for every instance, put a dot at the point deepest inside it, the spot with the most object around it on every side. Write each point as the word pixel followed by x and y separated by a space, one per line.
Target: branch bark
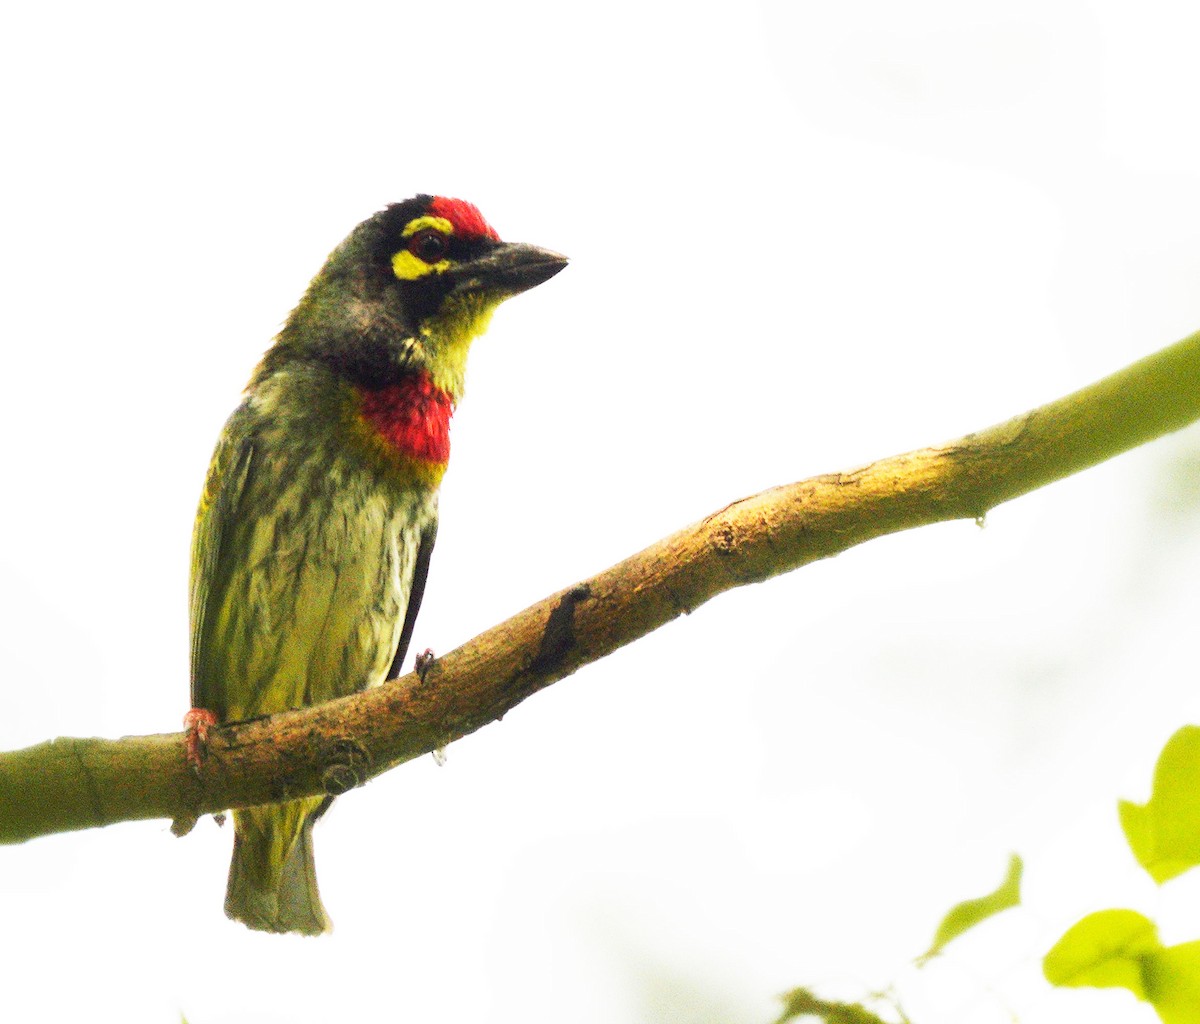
pixel 69 784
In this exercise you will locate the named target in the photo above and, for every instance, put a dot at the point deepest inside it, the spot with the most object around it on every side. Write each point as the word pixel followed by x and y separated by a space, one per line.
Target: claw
pixel 423 662
pixel 197 722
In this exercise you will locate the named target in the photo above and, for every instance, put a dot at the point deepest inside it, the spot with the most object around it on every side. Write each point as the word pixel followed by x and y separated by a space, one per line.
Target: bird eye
pixel 429 245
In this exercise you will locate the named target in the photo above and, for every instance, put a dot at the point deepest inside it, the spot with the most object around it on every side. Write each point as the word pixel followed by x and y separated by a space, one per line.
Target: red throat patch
pixel 465 217
pixel 413 417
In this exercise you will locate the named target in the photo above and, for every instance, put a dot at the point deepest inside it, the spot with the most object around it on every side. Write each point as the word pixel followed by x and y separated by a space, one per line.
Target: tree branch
pixel 69 784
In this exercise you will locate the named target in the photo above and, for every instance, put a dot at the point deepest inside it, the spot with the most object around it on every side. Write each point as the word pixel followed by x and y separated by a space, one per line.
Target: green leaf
pixel 1164 833
pixel 1173 983
pixel 801 1002
pixel 1120 949
pixel 1108 949
pixel 966 915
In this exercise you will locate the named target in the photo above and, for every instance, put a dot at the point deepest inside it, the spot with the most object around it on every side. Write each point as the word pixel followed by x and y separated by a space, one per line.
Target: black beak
pixel 510 268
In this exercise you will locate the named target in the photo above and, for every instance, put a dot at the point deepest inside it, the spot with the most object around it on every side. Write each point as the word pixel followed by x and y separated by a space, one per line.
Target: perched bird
pixel 319 513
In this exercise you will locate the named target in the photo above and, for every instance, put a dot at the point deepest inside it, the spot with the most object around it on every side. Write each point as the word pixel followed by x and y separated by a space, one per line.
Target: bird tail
pixel 272 878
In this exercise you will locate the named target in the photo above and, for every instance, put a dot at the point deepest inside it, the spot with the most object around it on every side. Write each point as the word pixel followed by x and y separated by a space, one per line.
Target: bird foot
pixel 197 722
pixel 423 663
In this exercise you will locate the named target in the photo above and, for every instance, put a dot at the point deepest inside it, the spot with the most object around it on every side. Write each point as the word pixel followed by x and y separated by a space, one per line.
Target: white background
pixel 803 236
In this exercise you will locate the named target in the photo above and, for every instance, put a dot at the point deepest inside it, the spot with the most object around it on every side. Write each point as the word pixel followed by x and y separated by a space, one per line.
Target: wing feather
pixel 415 593
pixel 224 488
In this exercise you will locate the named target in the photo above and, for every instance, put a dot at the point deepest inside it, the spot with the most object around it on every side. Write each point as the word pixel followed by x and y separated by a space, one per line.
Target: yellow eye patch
pixel 407 265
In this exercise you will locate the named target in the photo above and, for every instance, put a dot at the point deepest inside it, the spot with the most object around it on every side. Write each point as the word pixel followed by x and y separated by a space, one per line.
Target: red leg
pixel 197 722
pixel 422 662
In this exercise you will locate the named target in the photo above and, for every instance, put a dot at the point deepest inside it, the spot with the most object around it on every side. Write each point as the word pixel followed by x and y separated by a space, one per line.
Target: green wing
pixel 416 592
pixel 224 489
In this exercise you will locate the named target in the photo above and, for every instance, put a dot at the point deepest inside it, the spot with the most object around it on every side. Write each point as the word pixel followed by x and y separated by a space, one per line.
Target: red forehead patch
pixel 465 217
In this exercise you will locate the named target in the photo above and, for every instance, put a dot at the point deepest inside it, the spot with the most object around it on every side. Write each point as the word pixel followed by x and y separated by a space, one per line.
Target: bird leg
pixel 196 723
pixel 423 662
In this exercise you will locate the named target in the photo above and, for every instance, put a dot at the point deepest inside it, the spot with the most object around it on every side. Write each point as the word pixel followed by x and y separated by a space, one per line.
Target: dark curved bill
pixel 512 267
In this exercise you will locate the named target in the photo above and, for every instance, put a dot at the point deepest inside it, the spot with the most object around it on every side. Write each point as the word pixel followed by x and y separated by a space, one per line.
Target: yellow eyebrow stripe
pixel 421 223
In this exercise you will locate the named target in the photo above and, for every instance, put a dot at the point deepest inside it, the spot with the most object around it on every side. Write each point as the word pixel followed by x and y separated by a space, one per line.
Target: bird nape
pixel 319 513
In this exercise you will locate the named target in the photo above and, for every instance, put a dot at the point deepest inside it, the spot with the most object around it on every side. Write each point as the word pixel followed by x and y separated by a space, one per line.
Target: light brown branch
pixel 69 784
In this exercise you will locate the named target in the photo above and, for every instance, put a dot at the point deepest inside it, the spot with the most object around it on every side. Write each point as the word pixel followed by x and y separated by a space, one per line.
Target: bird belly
pixel 315 611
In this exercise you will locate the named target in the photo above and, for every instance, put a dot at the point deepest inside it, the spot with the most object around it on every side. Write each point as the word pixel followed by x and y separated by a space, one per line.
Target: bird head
pixel 409 289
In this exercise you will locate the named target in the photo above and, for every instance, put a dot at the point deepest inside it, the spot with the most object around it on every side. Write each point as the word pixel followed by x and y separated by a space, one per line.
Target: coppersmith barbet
pixel 319 513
